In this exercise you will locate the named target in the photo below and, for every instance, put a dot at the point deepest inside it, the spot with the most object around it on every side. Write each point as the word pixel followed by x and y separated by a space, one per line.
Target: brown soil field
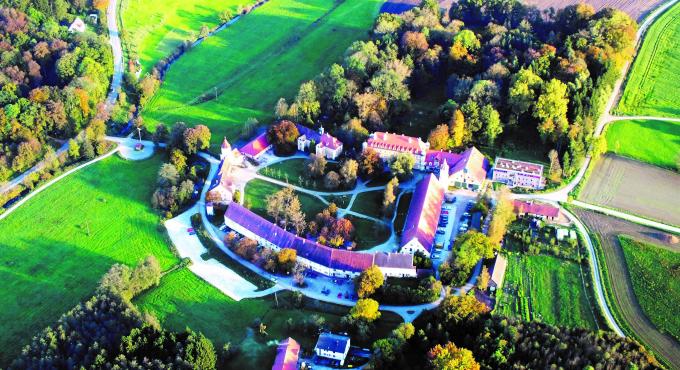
pixel 636 187
pixel 608 229
pixel 637 9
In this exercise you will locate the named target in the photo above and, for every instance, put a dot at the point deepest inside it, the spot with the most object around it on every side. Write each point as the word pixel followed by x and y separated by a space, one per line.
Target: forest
pixel 512 76
pixel 53 82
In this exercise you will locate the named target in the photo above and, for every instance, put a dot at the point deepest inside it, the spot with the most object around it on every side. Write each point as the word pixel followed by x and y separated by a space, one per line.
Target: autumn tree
pixel 332 180
pixel 286 259
pixel 307 101
pixel 283 136
pixel 503 214
pixel 439 138
pixel 348 171
pixel 389 196
pixel 366 310
pixel 492 124
pixel 483 279
pixel 551 109
pixel 370 164
pixel 196 138
pixel 555 169
pixel 458 130
pixel 402 165
pixel 285 208
pixel 450 357
pixel 369 281
pixel 316 164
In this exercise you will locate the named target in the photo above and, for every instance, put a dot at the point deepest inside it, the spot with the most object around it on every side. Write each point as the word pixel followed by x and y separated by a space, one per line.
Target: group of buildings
pixel 329 346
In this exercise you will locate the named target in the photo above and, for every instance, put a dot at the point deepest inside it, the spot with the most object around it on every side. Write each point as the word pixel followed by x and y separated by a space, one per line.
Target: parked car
pixel 445 212
pixel 441 232
pixel 191 231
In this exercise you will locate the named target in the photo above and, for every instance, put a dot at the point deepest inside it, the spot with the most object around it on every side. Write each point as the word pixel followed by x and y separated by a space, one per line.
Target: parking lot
pixel 450 224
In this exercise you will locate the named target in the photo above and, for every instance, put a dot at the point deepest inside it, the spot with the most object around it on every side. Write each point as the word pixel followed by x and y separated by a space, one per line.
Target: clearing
pixel 58 245
pixel 155 28
pixel 653 142
pixel 243 70
pixel 182 300
pixel 616 280
pixel 636 187
pixel 546 289
pixel 655 273
pixel 652 86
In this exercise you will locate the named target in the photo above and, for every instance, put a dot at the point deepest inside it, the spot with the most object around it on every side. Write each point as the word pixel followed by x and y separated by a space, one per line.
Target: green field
pixel 368 233
pixel 369 203
pixel 654 142
pixel 655 274
pixel 56 247
pixel 182 300
pixel 155 28
pixel 262 57
pixel 547 289
pixel 653 81
pixel 256 198
pixel 294 171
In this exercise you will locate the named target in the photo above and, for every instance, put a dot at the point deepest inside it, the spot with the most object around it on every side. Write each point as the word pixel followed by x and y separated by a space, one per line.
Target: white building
pixel 332 346
pixel 389 145
pixel 325 144
pixel 77 26
pixel 224 184
pixel 518 173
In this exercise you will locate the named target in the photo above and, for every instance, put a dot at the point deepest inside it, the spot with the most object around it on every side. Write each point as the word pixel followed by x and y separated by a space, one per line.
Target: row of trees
pixel 107 331
pixel 53 81
pixel 462 334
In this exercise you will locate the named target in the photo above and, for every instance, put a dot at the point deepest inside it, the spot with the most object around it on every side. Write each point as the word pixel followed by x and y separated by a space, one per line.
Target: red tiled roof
pixel 329 141
pixel 256 146
pixel 473 163
pixel 544 210
pixel 424 211
pixel 287 354
pixel 520 166
pixel 330 257
pixel 400 143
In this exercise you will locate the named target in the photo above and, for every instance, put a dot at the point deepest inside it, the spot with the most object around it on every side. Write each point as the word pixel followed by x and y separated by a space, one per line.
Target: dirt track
pixel 636 187
pixel 636 8
pixel 608 228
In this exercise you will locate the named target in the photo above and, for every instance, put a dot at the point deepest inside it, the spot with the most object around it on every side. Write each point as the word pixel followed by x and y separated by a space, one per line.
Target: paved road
pixel 11 184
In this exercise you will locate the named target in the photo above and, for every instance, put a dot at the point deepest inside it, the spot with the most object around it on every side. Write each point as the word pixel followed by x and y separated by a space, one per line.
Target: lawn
pixel 256 198
pixel 655 274
pixel 294 171
pixel 547 289
pixel 368 233
pixel 262 57
pixel 155 28
pixel 652 83
pixel 402 212
pixel 56 246
pixel 654 142
pixel 182 300
pixel 369 203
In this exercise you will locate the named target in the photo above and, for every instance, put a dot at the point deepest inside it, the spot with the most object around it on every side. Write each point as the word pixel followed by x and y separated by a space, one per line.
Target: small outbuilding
pixel 332 346
pixel 498 272
pixel 77 26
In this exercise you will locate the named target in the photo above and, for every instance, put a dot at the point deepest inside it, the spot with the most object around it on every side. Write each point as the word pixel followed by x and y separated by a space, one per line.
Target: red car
pixel 191 231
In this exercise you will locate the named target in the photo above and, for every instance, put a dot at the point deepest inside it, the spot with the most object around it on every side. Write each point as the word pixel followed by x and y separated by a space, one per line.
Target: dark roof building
pixel 332 346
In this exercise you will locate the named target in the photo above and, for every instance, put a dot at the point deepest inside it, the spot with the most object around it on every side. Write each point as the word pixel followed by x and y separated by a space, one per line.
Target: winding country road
pixel 116 79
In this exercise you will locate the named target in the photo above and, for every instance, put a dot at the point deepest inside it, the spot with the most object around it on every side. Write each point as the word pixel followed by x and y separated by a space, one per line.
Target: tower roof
pixel 225 144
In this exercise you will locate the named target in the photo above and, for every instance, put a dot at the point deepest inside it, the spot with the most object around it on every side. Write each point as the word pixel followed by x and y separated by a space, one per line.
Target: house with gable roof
pixel 332 346
pixel 256 147
pixel 423 216
pixel 389 145
pixel 325 144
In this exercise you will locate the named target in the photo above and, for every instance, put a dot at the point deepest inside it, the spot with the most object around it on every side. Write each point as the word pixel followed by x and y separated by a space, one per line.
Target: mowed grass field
pixel 260 58
pixel 635 187
pixel 256 198
pixel 547 289
pixel 56 246
pixel 617 281
pixel 655 273
pixel 653 142
pixel 156 27
pixel 652 86
pixel 182 300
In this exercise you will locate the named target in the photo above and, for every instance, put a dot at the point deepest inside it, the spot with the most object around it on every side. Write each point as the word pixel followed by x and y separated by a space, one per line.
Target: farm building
pixel 423 216
pixel 287 354
pixel 224 185
pixel 257 147
pixel 325 144
pixel 542 211
pixel 332 346
pixel 498 272
pixel 77 26
pixel 317 257
pixel 518 173
pixel 389 145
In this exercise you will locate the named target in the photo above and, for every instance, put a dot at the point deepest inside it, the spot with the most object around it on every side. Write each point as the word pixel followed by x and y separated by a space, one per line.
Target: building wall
pixel 386 155
pixel 517 179
pixel 412 246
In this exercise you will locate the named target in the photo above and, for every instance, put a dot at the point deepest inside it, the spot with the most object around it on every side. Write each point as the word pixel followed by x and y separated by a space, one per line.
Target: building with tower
pixel 224 185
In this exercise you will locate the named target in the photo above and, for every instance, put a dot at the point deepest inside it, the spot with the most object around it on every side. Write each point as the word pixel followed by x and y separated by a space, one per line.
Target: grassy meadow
pixel 653 142
pixel 256 198
pixel 369 203
pixel 655 275
pixel 56 246
pixel 156 27
pixel 182 300
pixel 260 58
pixel 653 81
pixel 547 289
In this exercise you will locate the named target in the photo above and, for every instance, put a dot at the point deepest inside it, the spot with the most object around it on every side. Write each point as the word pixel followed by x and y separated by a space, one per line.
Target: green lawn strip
pixel 547 289
pixel 182 300
pixel 256 198
pixel 368 233
pixel 259 59
pixel 651 88
pixel 156 27
pixel 653 142
pixel 402 212
pixel 655 274
pixel 56 247
pixel 369 203
pixel 294 171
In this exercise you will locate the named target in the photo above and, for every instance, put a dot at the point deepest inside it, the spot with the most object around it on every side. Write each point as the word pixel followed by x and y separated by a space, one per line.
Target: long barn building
pixel 320 258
